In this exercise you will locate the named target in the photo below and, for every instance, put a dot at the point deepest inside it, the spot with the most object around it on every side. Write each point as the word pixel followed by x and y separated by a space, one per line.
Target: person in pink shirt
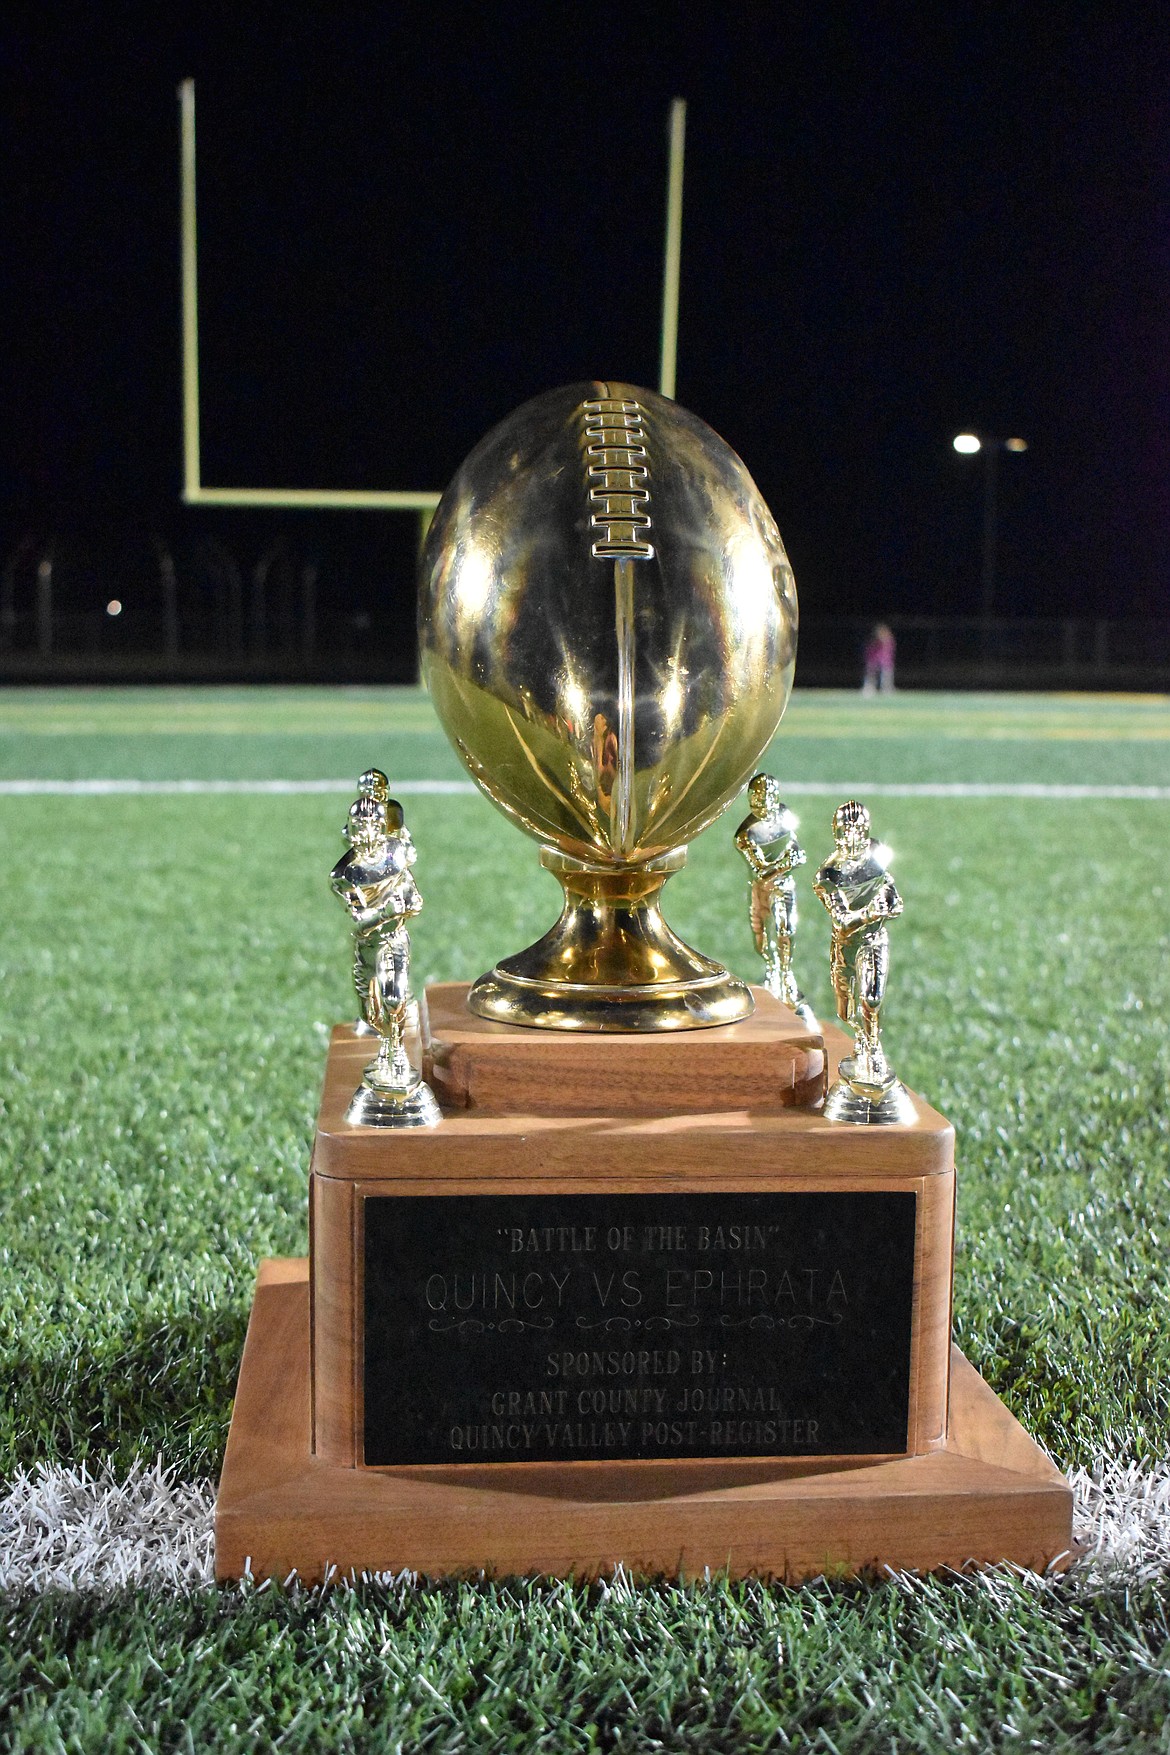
pixel 880 649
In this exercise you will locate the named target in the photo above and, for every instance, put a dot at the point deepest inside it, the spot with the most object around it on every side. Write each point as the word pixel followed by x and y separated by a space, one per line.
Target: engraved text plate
pixel 579 1327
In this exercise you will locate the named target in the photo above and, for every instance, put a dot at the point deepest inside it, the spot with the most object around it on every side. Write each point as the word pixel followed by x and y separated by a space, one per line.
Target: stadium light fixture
pixel 967 444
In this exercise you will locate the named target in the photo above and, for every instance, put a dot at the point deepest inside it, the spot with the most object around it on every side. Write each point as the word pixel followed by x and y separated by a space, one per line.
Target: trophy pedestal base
pixel 990 1494
pixel 611 963
pixel 770 1060
pixel 627 1249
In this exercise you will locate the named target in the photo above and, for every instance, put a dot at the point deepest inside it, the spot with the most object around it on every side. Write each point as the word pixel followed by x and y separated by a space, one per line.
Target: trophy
pixel 607 627
pixel 375 882
pixel 767 840
pixel 632 1295
pixel 860 896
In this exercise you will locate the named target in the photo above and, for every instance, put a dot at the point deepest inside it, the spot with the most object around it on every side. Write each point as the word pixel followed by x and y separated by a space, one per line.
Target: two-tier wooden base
pixel 527 1111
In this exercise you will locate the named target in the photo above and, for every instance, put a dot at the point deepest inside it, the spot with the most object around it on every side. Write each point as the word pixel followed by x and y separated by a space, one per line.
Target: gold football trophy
pixel 633 1297
pixel 607 627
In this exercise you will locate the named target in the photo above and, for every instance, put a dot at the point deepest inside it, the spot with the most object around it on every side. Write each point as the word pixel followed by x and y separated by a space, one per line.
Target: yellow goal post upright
pixel 420 501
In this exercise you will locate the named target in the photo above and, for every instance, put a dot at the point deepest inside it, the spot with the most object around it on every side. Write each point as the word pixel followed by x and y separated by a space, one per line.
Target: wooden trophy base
pixel 990 1495
pixel 636 1302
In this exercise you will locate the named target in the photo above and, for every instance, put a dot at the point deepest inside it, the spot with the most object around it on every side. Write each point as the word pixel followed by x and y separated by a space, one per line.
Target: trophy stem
pixel 611 962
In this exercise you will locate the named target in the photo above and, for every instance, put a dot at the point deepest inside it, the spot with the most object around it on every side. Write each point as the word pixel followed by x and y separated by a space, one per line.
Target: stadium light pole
pixel 968 445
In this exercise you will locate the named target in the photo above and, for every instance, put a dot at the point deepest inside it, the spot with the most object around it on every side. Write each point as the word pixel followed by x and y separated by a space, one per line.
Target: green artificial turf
pixel 320 733
pixel 170 969
pixel 522 1666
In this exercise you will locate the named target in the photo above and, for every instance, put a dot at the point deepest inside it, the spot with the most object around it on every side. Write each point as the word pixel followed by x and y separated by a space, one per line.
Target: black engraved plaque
pixel 512 1328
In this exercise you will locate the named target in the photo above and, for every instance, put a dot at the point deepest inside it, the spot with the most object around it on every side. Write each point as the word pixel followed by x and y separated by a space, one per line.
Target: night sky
pixel 897 224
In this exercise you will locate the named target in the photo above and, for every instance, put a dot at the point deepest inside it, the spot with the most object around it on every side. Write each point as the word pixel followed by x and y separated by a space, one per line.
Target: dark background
pixel 897 224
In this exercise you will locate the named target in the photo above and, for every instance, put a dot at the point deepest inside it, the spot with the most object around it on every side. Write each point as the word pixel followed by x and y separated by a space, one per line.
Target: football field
pixel 172 962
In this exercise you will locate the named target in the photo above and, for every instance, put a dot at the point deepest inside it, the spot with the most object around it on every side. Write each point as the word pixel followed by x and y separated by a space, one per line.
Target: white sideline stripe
pixel 106 788
pixel 442 788
pixel 974 789
pixel 66 1529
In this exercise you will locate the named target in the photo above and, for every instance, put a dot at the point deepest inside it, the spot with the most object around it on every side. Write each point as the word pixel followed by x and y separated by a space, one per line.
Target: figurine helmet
pixel 374 784
pixel 764 794
pixel 851 824
pixel 366 820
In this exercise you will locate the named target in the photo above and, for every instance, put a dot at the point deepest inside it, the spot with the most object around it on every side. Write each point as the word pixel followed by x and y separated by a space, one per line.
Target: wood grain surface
pixel 656 1141
pixel 989 1495
pixel 769 1061
pixel 710 1147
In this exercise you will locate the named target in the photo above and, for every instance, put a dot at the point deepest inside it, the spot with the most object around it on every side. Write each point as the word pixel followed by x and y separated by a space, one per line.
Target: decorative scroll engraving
pixel 618 476
pixel 471 1325
pixel 652 1324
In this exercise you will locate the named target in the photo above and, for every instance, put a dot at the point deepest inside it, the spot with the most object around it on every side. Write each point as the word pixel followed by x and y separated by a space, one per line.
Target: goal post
pixel 420 501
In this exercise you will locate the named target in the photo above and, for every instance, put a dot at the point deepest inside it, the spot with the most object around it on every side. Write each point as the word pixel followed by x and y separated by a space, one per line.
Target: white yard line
pixel 67 1529
pixel 971 789
pixel 108 788
pixel 1122 1520
pixel 443 788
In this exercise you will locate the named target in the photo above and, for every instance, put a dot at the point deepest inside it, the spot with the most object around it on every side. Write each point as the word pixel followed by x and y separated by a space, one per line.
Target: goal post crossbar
pixel 422 501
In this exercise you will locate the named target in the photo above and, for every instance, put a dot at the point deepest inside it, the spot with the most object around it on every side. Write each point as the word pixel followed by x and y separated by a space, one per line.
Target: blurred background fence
pixel 143 607
pixel 995 652
pixel 146 608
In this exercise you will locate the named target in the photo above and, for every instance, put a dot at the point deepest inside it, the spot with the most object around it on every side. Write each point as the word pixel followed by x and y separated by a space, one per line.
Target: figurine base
pixel 789 994
pixel 991 1495
pixel 857 1101
pixel 371 1107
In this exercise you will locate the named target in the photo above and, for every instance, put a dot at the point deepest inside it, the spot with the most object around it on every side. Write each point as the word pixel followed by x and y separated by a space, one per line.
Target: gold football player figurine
pixel 374 784
pixel 375 883
pixel 855 886
pixel 767 840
